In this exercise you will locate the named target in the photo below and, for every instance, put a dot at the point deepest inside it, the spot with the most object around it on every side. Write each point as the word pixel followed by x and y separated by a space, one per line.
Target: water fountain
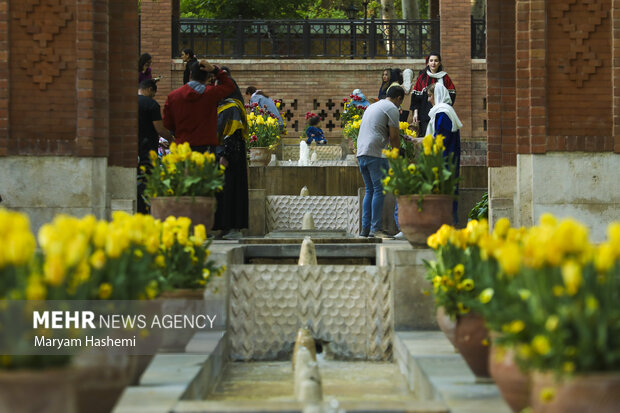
pixel 348 309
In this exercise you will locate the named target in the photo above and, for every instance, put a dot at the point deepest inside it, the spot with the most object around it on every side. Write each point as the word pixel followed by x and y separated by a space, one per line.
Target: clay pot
pixel 182 301
pixel 513 384
pixel 200 209
pixel 470 335
pixel 419 225
pixel 583 393
pixel 260 156
pixel 102 378
pixel 446 324
pixel 35 391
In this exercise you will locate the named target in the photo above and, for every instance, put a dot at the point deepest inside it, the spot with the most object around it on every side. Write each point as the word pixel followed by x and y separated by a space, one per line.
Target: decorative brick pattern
pixel 347 306
pixel 329 212
pixel 43 21
pixel 582 61
pixel 545 60
pixel 578 45
pixel 323 153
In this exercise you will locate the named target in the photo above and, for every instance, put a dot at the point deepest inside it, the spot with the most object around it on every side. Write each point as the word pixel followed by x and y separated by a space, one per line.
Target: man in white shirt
pixel 379 127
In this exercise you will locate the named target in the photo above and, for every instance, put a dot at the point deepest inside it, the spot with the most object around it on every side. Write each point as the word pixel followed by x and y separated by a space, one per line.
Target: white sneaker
pixel 400 235
pixel 233 235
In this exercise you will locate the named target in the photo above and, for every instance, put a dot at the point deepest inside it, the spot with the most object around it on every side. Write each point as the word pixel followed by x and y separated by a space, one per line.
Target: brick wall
pixel 500 84
pixel 563 68
pixel 156 38
pixel 123 79
pixel 456 54
pixel 57 79
pixel 320 86
pixel 4 77
pixel 42 71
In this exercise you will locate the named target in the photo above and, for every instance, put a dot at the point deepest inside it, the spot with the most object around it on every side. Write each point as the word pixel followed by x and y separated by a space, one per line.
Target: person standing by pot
pixel 188 57
pixel 420 106
pixel 378 128
pixel 264 102
pixel 445 122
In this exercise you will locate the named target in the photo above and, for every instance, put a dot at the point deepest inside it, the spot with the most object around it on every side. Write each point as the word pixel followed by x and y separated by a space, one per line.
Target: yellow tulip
pixel 105 291
pixel 541 345
pixel 486 295
pixel 571 275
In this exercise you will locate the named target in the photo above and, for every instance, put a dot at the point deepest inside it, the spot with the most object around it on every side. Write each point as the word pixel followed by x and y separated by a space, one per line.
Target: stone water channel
pixel 346 301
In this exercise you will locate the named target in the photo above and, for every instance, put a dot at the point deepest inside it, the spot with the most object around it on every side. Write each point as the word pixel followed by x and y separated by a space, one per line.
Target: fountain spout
pixel 307 255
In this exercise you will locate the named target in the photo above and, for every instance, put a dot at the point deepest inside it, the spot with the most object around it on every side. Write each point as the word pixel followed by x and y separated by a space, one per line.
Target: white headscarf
pixel 442 104
pixel 407 80
pixel 439 75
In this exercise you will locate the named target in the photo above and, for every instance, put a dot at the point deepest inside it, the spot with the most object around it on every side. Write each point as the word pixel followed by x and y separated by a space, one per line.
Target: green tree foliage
pixel 287 9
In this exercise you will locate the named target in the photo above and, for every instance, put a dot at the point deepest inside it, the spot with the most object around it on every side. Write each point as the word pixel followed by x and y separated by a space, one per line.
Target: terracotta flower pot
pixel 419 225
pixel 583 393
pixel 102 378
pixel 260 156
pixel 182 301
pixel 513 384
pixel 446 324
pixel 200 209
pixel 35 391
pixel 470 337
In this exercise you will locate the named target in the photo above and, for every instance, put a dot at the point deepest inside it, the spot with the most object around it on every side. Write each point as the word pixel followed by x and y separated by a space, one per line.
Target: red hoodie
pixel 193 116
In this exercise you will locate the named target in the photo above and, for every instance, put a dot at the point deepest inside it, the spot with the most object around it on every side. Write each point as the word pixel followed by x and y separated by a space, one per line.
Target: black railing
pixel 478 38
pixel 305 39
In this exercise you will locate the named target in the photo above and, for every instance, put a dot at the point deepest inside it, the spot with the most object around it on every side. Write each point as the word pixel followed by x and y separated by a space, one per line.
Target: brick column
pixel 522 74
pixel 156 39
pixel 92 74
pixel 4 77
pixel 456 55
pixel 615 10
pixel 538 75
pixel 501 138
pixel 123 83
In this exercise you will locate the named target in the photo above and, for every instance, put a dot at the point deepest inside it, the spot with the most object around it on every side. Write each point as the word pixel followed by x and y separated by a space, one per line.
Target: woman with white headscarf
pixel 444 121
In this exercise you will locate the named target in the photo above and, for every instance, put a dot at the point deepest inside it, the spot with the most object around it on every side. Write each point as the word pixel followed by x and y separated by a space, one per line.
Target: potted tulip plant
pixel 78 259
pixel 571 334
pixel 184 183
pixel 264 132
pixel 425 189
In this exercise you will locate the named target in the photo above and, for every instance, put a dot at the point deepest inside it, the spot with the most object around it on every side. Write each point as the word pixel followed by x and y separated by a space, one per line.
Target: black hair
pixel 251 90
pixel 148 84
pixel 144 57
pixel 198 74
pixel 395 92
pixel 313 121
pixel 189 52
pixel 396 76
pixel 440 67
pixel 225 69
pixel 385 85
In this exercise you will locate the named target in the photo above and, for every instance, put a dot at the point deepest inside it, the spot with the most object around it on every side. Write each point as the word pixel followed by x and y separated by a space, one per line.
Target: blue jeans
pixel 373 171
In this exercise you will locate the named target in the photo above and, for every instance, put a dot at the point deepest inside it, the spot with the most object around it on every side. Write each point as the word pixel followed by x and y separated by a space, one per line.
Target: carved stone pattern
pixel 347 306
pixel 329 212
pixel 379 315
pixel 323 153
pixel 582 61
pixel 43 20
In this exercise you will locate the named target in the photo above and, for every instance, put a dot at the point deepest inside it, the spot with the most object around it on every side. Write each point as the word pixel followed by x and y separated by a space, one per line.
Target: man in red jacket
pixel 191 110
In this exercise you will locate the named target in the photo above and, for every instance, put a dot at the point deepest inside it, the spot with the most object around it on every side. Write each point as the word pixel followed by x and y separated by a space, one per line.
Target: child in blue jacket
pixel 314 133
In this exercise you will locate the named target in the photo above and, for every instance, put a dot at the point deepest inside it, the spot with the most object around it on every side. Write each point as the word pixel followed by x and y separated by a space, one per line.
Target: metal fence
pixel 306 39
